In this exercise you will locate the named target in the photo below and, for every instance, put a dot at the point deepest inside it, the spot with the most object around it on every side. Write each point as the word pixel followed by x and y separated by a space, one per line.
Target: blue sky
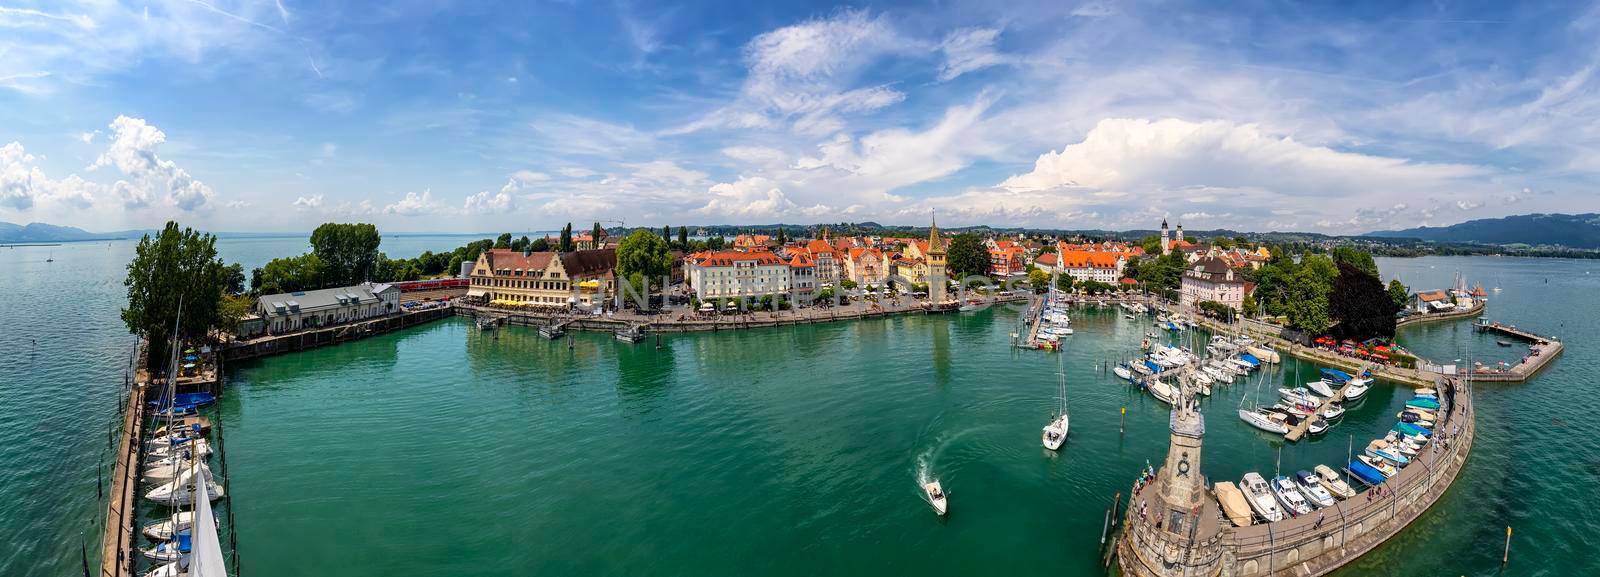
pixel 478 116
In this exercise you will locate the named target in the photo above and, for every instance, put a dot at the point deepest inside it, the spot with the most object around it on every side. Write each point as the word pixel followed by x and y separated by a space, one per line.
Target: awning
pixel 476 292
pixel 589 284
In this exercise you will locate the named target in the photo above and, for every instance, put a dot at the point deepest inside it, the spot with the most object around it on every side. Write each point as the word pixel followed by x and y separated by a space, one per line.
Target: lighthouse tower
pixel 936 262
pixel 1173 527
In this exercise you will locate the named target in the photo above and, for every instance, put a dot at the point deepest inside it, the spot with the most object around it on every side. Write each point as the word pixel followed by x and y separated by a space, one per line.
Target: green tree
pixel 1358 258
pixel 1039 280
pixel 966 256
pixel 1151 244
pixel 644 253
pixel 566 239
pixel 596 234
pixel 1307 304
pixel 716 243
pixel 231 311
pixel 1361 305
pixel 349 252
pixel 1249 305
pixel 1399 294
pixel 504 241
pixel 538 245
pixel 666 234
pixel 172 267
pixel 683 238
pixel 291 274
pixel 848 284
pixel 233 276
pixel 1063 283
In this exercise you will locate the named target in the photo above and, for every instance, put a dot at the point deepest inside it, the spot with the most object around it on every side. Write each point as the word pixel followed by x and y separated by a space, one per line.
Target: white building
pixel 723 274
pixel 1083 265
pixel 1211 279
pixel 289 312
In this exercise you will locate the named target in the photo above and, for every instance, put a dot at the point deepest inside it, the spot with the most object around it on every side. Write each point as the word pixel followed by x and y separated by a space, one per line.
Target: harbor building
pixel 1082 265
pixel 585 278
pixel 289 312
pixel 1211 279
pixel 733 273
pixel 1006 258
pixel 866 266
pixel 825 259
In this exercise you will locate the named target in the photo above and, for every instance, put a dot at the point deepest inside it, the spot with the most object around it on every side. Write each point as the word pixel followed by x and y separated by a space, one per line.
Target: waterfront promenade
pixel 119 537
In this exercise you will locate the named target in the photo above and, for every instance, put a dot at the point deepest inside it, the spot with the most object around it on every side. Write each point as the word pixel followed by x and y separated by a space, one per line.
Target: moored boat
pixel 1260 496
pixel 1234 504
pixel 1295 503
pixel 164 530
pixel 1365 473
pixel 1332 483
pixel 1383 467
pixel 1311 487
pixel 1264 420
pixel 1123 372
pixel 1320 387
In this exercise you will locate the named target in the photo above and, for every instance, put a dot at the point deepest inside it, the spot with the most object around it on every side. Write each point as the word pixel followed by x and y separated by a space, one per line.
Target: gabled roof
pixel 506 259
pixel 1431 296
pixel 729 257
pixel 1087 259
pixel 589 262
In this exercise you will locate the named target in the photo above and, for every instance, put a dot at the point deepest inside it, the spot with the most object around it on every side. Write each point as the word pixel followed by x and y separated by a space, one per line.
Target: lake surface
pixel 445 451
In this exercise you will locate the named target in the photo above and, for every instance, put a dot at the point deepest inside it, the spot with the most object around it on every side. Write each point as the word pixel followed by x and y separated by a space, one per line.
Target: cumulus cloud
pixel 755 154
pixel 132 151
pixel 755 197
pixel 308 202
pixel 17 177
pixel 413 204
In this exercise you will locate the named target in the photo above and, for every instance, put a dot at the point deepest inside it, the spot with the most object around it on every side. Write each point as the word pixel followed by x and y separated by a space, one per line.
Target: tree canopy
pixel 1362 305
pixel 566 239
pixel 1358 258
pixel 1399 294
pixel 644 253
pixel 176 266
pixel 349 252
pixel 966 256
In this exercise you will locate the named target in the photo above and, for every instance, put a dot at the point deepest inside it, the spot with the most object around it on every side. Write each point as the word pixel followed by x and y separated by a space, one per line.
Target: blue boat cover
pixel 1364 472
pixel 1423 403
pixel 1249 358
pixel 183 541
pixel 1337 375
pixel 1152 365
pixel 1412 429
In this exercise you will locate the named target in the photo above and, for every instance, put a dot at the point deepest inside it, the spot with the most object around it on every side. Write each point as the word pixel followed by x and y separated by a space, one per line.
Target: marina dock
pixel 119 537
pixel 1299 430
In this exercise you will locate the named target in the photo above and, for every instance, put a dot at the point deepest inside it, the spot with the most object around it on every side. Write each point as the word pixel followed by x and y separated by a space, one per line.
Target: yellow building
pixel 584 278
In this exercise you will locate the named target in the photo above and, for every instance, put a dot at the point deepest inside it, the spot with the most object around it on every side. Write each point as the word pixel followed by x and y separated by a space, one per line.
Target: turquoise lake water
pixel 445 451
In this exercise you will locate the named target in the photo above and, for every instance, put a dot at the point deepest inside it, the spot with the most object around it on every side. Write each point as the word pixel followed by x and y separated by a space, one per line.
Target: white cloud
pixel 413 204
pixel 529 176
pixel 746 198
pixel 801 74
pixel 132 151
pixel 575 172
pixel 17 177
pixel 308 202
pixel 327 150
pixel 88 137
pixel 968 50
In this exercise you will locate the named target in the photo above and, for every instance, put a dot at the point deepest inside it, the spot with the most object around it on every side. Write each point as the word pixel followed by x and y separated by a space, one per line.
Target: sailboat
pixel 205 546
pixel 1055 433
pixel 1269 421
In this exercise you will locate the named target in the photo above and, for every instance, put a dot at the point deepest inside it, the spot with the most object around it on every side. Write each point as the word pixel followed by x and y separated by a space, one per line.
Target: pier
pixel 1542 350
pixel 119 537
pixel 1299 430
pixel 1304 546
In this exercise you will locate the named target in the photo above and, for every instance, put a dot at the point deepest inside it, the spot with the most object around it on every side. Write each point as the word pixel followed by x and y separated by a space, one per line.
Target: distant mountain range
pixel 1567 230
pixel 41 232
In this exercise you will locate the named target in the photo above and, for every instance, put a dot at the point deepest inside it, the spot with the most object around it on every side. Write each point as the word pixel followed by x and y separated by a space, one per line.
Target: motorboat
pixel 1383 467
pixel 1289 496
pixel 168 551
pixel 936 496
pixel 1365 473
pixel 1430 404
pixel 1417 440
pixel 1123 372
pixel 1265 420
pixel 1311 488
pixel 1332 483
pixel 1203 379
pixel 1378 448
pixel 1318 426
pixel 1241 366
pixel 1217 375
pixel 1320 387
pixel 1234 504
pixel 1432 392
pixel 1260 496
pixel 1143 369
pixel 1162 391
pixel 1265 354
pixel 1356 389
pixel 164 530
pixel 1414 418
pixel 1332 411
pixel 1395 444
pixel 1412 429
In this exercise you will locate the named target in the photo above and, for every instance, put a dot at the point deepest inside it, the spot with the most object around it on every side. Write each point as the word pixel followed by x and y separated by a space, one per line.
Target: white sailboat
pixel 1055 433
pixel 165 530
pixel 183 490
pixel 205 554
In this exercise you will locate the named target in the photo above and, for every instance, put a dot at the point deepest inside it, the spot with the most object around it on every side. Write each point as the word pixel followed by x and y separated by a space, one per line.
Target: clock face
pixel 1183 464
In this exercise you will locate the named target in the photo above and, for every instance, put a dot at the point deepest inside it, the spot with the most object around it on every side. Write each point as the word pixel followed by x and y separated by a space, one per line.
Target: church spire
pixel 934 242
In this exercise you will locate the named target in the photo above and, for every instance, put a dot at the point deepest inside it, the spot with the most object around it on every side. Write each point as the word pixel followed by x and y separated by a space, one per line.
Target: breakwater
pixel 309 339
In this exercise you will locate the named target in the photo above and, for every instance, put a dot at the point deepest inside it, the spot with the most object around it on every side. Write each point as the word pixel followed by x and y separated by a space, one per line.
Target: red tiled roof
pixel 1086 259
pixel 505 258
pixel 728 257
